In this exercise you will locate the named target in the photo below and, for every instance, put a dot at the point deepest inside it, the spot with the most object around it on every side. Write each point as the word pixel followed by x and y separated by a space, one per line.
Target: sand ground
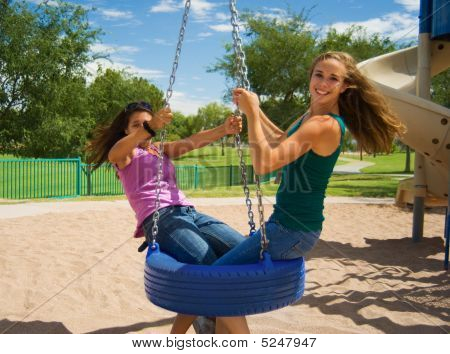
pixel 74 268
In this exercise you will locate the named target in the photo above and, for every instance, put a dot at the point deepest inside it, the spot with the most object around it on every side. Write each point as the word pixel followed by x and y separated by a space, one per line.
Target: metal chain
pixel 242 72
pixel 241 67
pixel 163 132
pixel 243 169
pixel 169 91
pixel 262 225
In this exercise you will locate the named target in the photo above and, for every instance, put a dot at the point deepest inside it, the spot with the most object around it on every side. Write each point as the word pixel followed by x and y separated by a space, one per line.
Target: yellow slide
pixel 428 124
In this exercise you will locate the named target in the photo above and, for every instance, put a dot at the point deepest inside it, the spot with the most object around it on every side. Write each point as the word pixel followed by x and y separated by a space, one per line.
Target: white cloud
pixel 410 5
pixel 111 49
pixel 38 2
pixel 187 104
pixel 205 34
pixel 200 9
pixel 115 64
pixel 221 16
pixel 166 6
pixel 132 23
pixel 221 28
pixel 272 13
pixel 116 58
pixel 113 14
pixel 149 74
pixel 281 16
pixel 397 26
pixel 161 41
pixel 128 49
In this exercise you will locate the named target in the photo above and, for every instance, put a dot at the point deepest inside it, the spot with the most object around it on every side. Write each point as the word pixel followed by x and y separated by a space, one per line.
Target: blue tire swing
pixel 230 290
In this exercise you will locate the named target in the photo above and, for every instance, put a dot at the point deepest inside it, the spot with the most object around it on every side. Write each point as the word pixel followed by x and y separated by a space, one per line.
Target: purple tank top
pixel 139 180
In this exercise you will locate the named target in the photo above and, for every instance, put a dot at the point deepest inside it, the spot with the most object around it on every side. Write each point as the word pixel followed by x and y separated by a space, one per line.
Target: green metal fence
pixel 39 178
pixel 62 178
pixel 102 181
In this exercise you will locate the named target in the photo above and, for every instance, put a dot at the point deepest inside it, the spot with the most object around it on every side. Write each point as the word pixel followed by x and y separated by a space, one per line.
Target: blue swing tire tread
pixel 233 290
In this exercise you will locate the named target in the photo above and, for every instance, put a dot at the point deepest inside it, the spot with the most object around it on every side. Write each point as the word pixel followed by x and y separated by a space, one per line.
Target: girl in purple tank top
pixel 185 234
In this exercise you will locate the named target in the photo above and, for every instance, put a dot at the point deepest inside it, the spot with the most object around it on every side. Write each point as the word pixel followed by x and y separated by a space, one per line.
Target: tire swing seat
pixel 234 290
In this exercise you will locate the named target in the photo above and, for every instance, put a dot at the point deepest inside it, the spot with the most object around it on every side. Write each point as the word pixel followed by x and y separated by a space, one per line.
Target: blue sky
pixel 140 36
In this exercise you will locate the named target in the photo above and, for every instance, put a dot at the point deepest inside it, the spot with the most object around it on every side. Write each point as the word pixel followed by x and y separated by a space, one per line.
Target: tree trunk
pixel 408 159
pixel 222 140
pixel 278 177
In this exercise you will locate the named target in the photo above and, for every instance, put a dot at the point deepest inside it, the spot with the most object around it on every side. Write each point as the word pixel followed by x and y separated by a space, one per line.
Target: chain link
pixel 163 132
pixel 242 73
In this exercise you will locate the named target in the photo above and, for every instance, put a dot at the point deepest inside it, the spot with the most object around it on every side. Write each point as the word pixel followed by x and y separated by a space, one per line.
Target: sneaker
pixel 204 325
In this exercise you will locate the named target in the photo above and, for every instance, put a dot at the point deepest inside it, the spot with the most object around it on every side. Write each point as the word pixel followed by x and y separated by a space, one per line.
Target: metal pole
pixel 447 237
pixel 78 161
pixel 423 83
pixel 447 227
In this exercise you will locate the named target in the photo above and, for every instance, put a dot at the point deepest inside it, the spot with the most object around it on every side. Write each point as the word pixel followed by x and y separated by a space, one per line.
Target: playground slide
pixel 428 124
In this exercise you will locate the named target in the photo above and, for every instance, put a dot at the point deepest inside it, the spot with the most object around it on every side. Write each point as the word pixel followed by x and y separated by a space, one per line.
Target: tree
pixel 112 90
pixel 355 41
pixel 212 115
pixel 64 123
pixel 183 126
pixel 279 55
pixel 440 88
pixel 348 143
pixel 408 159
pixel 43 52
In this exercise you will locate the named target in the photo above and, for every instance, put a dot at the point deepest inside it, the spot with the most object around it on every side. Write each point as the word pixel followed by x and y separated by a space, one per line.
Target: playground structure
pixel 427 123
pixel 404 78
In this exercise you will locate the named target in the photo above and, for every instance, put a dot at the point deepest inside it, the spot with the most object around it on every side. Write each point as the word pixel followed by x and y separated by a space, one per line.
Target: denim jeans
pixel 284 244
pixel 191 237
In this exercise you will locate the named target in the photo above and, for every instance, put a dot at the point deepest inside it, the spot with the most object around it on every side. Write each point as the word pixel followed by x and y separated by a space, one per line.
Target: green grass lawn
pixel 8 157
pixel 339 186
pixel 392 163
pixel 363 185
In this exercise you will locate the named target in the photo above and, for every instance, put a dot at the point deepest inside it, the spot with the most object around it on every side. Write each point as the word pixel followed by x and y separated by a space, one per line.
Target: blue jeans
pixel 284 244
pixel 191 237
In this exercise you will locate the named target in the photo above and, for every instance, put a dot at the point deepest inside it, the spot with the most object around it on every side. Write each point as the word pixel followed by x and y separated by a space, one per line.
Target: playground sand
pixel 65 269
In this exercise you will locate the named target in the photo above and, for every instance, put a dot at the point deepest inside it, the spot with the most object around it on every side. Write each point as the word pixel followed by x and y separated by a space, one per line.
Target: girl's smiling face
pixel 327 82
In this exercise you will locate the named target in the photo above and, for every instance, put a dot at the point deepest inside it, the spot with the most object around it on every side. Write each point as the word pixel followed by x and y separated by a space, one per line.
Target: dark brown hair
pixel 105 136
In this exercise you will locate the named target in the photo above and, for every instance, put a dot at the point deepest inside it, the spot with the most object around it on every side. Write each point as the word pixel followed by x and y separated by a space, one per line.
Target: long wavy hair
pixel 364 108
pixel 105 136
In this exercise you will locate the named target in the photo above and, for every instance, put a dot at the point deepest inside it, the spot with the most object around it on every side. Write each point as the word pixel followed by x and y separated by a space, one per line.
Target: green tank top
pixel 300 197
